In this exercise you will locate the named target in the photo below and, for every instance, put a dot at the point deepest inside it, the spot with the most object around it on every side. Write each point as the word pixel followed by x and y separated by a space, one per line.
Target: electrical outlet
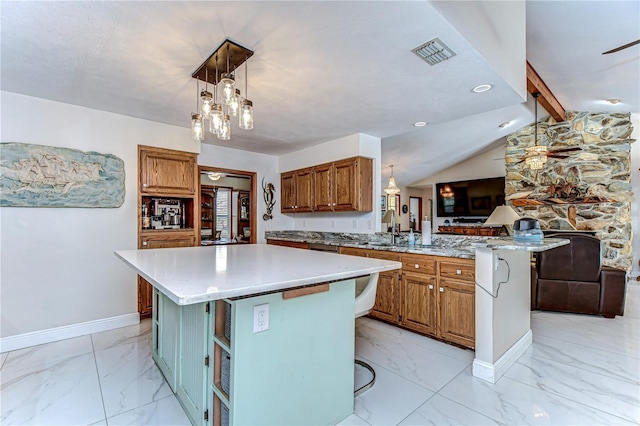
pixel 368 224
pixel 333 223
pixel 354 223
pixel 260 318
pixel 496 262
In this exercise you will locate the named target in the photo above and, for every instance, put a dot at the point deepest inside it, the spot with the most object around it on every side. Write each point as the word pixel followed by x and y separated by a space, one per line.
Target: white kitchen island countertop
pixel 199 274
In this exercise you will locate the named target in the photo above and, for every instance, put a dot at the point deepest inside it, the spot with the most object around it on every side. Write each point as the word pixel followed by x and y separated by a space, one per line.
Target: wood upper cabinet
pixel 164 171
pixel 323 188
pixel 296 189
pixel 345 185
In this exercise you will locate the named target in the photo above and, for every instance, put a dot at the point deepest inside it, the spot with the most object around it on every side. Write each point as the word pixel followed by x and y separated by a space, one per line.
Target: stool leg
pixel 370 383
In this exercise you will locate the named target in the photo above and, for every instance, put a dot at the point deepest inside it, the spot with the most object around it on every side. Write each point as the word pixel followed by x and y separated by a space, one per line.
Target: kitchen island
pixel 255 334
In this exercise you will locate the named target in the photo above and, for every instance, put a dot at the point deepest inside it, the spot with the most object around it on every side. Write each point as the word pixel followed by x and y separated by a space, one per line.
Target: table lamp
pixel 505 216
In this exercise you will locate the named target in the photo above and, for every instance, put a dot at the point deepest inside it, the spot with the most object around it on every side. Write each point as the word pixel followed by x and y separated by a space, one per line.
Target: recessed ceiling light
pixel 505 124
pixel 613 101
pixel 420 124
pixel 482 88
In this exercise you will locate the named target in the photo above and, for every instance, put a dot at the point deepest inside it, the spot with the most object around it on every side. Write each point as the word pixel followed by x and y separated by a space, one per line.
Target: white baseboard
pixel 34 338
pixel 492 372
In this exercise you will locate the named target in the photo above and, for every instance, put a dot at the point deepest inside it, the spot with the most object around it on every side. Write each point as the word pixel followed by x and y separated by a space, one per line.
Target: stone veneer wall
pixel 589 190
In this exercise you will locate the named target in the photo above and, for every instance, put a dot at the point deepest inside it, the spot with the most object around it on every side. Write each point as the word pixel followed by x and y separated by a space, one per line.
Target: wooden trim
pixel 547 99
pixel 304 291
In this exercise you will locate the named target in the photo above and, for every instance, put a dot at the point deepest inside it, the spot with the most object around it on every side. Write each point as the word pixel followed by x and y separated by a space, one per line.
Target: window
pixel 223 212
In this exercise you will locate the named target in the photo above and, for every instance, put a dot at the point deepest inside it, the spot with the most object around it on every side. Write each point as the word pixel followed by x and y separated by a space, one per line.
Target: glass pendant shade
pixel 228 88
pixel 216 118
pixel 536 157
pixel 197 131
pixel 246 115
pixel 207 103
pixel 392 188
pixel 234 106
pixel 225 128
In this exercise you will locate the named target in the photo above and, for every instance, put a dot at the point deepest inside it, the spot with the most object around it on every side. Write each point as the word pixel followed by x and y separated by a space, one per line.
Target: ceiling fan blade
pixel 619 48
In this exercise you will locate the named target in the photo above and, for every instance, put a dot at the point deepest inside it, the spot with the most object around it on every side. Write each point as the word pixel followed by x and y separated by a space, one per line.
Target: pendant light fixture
pixel 536 155
pixel 392 188
pixel 207 98
pixel 197 131
pixel 226 101
pixel 246 114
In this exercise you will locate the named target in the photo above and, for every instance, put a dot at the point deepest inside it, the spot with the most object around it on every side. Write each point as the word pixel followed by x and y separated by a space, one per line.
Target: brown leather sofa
pixel 571 278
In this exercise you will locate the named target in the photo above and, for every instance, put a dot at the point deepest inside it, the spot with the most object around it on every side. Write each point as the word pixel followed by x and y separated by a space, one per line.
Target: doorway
pixel 415 213
pixel 226 206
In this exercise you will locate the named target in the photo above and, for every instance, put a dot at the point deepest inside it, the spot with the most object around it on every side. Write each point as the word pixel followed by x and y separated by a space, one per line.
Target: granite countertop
pixel 198 274
pixel 461 246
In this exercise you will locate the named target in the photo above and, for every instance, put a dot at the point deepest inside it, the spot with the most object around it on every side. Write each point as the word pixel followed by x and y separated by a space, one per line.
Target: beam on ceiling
pixel 546 99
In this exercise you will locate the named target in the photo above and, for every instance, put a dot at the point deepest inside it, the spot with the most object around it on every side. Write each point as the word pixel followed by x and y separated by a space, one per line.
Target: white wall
pixel 266 166
pixel 635 183
pixel 486 165
pixel 58 266
pixel 349 146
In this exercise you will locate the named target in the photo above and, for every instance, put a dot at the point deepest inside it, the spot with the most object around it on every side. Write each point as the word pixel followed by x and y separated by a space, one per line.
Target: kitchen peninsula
pixel 468 290
pixel 242 332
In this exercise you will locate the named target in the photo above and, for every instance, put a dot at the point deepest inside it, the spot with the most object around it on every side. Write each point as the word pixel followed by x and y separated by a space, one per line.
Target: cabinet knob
pixel 430 286
pixel 329 205
pixel 417 266
pixel 334 204
pixel 144 185
pixel 144 243
pixel 458 271
pixel 441 290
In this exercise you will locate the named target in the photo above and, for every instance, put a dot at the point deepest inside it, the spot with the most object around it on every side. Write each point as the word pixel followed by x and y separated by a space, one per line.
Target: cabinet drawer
pixel 294 244
pixel 418 264
pixel 353 251
pixel 383 255
pixel 458 271
pixel 167 240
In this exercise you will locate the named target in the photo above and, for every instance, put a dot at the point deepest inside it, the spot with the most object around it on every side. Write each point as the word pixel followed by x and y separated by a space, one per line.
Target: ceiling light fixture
pixel 505 124
pixel 613 101
pixel 536 156
pixel 420 124
pixel 482 88
pixel 214 175
pixel 231 104
pixel 392 188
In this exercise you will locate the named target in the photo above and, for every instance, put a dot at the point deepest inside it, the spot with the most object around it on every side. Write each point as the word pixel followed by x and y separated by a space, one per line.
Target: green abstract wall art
pixel 48 176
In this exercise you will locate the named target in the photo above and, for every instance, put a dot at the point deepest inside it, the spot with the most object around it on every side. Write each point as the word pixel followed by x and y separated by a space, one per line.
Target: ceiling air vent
pixel 434 51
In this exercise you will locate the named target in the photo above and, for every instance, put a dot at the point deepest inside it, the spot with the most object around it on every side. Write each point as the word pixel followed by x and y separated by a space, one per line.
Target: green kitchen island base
pixel 298 372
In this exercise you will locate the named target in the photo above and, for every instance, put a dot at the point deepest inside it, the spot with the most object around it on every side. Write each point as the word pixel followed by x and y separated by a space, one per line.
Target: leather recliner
pixel 571 278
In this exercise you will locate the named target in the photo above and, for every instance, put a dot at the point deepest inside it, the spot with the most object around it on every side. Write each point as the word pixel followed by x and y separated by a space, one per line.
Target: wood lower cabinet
pixel 432 295
pixel 419 302
pixel 294 244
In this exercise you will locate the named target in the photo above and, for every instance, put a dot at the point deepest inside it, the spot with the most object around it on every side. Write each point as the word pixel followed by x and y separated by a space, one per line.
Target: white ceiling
pixel 321 70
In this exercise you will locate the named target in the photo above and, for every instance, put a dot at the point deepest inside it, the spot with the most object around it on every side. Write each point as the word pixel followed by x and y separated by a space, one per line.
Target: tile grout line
pixel 95 361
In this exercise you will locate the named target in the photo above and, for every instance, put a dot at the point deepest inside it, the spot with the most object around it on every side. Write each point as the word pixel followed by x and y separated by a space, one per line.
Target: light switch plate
pixel 260 318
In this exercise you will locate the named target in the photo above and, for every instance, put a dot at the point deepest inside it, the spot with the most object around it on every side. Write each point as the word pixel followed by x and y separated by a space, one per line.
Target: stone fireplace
pixel 585 184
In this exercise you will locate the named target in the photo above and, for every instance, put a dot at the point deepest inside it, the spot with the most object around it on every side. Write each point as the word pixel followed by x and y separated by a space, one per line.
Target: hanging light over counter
pixel 392 188
pixel 536 155
pixel 226 101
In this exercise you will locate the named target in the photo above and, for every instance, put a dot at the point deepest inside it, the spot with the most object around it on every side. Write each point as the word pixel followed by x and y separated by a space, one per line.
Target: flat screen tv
pixel 469 198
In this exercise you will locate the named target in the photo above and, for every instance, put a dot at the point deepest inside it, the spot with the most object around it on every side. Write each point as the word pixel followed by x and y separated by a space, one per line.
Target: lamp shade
pixel 502 215
pixel 390 216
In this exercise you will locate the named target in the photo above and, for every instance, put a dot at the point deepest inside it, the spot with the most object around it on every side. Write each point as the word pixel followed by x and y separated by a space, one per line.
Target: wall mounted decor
pixel 269 199
pixel 47 176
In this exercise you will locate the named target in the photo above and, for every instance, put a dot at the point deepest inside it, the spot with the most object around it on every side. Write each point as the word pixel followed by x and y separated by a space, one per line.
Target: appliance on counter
pixel 527 230
pixel 167 214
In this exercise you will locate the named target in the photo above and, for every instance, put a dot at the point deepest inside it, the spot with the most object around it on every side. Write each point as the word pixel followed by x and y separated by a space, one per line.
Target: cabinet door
pixel 323 188
pixel 294 244
pixel 167 172
pixel 145 298
pixel 419 302
pixel 456 304
pixel 345 185
pixel 167 335
pixel 387 295
pixel 288 192
pixel 304 190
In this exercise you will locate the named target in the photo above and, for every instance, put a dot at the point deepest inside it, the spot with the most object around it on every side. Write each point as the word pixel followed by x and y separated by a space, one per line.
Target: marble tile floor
pixel 580 370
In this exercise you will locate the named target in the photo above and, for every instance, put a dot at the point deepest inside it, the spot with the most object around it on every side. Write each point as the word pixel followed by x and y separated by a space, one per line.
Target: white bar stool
pixel 365 299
